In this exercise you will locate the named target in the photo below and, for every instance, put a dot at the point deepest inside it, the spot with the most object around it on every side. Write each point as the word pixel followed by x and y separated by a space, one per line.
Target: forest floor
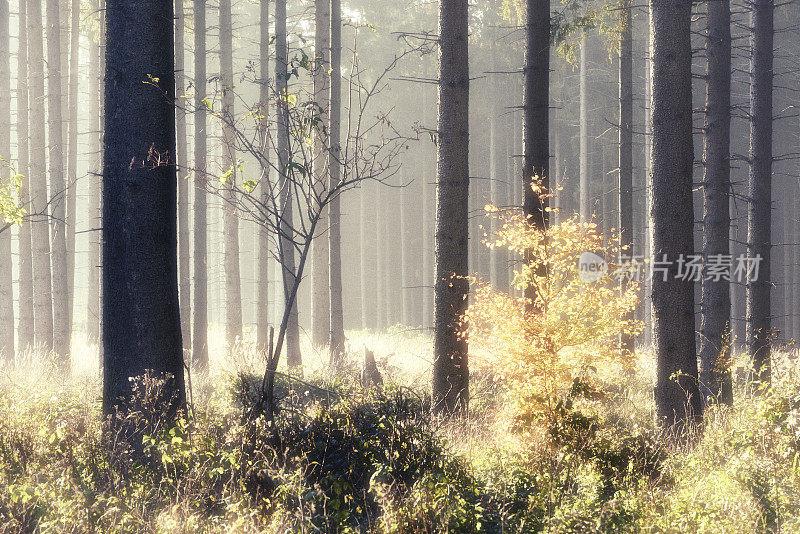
pixel 342 459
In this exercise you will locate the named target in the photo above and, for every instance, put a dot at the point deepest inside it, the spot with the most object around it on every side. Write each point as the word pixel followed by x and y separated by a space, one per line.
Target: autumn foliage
pixel 566 328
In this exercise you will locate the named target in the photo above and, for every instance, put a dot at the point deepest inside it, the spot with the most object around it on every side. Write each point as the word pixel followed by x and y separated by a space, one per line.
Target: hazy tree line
pixel 675 124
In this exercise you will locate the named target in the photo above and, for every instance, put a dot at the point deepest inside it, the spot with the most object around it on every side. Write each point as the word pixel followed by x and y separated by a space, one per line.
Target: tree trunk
pixel 584 209
pixel 380 258
pixel 262 311
pixel 428 230
pixel 141 318
pixel 677 399
pixel 287 251
pixel 40 225
pixel 200 253
pixel 182 147
pixel 26 327
pixel 536 105
pixel 450 366
pixel 233 283
pixel 337 339
pixel 320 276
pixel 58 192
pixel 715 332
pixel 72 158
pixel 759 209
pixel 6 287
pixel 95 190
pixel 536 117
pixel 625 158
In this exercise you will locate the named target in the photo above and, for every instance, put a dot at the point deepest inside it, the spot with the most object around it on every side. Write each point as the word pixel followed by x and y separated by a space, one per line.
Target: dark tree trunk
pixel 6 287
pixel 677 399
pixel 536 104
pixel 141 318
pixel 320 275
pixel 450 365
pixel 715 333
pixel 233 282
pixel 25 328
pixel 287 246
pixel 185 281
pixel 58 191
pixel 72 158
pixel 40 226
pixel 200 253
pixel 337 339
pixel 262 312
pixel 759 208
pixel 625 158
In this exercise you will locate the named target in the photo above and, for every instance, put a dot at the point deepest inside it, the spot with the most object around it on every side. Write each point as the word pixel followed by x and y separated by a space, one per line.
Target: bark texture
pixel 141 319
pixel 715 332
pixel 676 392
pixel 200 257
pixel 450 366
pixel 185 281
pixel 759 208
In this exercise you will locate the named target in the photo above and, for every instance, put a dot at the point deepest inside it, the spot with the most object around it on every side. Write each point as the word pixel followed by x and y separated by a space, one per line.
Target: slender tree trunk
pixel 536 104
pixel 625 158
pixel 583 119
pixel 677 399
pixel 367 296
pixel 380 259
pixel 715 333
pixel 58 191
pixel 287 251
pixel 182 147
pixel 536 117
pixel 450 366
pixel 262 313
pixel 337 339
pixel 95 189
pixel 200 317
pixel 233 282
pixel 72 158
pixel 6 284
pixel 759 209
pixel 141 318
pixel 25 329
pixel 42 281
pixel 320 276
pixel 428 230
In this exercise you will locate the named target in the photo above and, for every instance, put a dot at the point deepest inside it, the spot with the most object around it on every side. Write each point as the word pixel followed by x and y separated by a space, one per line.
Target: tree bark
pixel 625 158
pixel 676 393
pixel 759 208
pixel 40 225
pixel 450 366
pixel 585 194
pixel 715 332
pixel 25 336
pixel 141 318
pixel 233 281
pixel 337 339
pixel 72 157
pixel 262 312
pixel 200 256
pixel 320 276
pixel 536 105
pixel 6 287
pixel 185 281
pixel 287 246
pixel 58 191
pixel 95 189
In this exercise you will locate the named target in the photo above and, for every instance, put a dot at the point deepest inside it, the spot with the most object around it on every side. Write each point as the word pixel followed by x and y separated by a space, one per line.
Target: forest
pixel 429 266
